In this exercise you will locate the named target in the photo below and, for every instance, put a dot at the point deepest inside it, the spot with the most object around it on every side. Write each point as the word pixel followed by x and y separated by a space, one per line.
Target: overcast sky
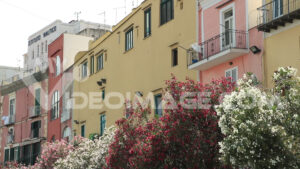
pixel 21 18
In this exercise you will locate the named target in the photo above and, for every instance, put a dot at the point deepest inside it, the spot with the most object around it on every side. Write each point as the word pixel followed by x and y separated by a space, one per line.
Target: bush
pixel 262 128
pixel 89 153
pixel 186 136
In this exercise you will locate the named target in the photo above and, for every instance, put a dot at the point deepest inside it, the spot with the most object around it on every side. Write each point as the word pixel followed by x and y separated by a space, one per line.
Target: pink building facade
pixel 23 127
pixel 225 38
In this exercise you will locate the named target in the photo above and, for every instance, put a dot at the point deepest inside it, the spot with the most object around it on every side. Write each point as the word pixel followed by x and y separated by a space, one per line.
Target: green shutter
pixel 12 154
pixel 6 155
pixel 18 154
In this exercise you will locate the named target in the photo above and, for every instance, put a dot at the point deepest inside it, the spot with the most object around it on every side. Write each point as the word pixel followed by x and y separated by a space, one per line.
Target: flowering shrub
pixel 51 152
pixel 89 153
pixel 186 136
pixel 262 129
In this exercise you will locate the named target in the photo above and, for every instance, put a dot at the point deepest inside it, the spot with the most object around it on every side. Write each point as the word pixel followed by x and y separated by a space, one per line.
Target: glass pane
pixel 234 75
pixel 228 74
pixel 158 105
pixel 228 14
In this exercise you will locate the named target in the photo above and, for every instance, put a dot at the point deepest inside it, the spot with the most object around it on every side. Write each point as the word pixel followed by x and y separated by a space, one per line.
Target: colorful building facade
pixel 61 55
pixel 279 20
pixel 227 31
pixel 23 118
pixel 136 58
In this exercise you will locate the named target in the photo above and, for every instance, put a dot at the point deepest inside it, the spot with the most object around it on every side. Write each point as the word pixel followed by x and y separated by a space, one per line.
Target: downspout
pixel 197 33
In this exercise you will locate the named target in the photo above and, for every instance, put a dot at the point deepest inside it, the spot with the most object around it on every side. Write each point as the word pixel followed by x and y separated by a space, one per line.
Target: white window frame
pixel 230 70
pixel 222 12
pixel 57 65
pixel 82 69
pixel 13 98
pixel 55 103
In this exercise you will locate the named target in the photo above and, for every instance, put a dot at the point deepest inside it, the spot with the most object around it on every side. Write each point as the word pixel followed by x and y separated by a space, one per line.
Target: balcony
pixel 277 13
pixel 34 111
pixel 11 119
pixel 219 49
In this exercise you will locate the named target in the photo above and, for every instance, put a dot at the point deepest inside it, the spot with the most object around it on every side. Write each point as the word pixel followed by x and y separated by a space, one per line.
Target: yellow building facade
pixel 138 56
pixel 279 20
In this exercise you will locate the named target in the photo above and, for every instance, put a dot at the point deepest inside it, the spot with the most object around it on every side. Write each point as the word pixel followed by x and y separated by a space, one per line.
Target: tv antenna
pixel 125 7
pixel 104 16
pixel 77 14
pixel 117 12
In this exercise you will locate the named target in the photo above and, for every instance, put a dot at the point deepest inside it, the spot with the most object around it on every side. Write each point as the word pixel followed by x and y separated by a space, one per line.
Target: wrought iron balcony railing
pixel 230 39
pixel 277 13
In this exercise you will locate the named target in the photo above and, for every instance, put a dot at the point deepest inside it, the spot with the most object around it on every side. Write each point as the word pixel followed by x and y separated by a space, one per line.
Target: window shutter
pixel 6 155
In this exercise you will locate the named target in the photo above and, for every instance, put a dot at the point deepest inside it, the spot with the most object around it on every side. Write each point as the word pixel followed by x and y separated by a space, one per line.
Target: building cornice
pixel 208 3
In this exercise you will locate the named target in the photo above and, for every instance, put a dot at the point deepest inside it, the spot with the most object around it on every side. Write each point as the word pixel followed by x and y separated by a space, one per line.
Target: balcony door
pixel 228 28
pixel 277 8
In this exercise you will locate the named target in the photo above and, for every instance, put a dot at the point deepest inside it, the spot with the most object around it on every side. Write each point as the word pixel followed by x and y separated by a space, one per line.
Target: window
pixel 82 130
pixel 175 57
pixel 12 107
pixel 33 54
pixel 233 73
pixel 53 139
pixel 35 129
pixel 278 8
pixel 12 154
pixel 84 70
pixel 228 26
pixel 55 106
pixel 102 124
pixel 129 39
pixel 42 48
pixel 57 67
pixel 166 11
pixel 38 51
pixel 6 155
pixel 67 134
pixel 158 105
pixel 46 46
pixel 37 108
pixel 103 94
pixel 92 65
pixel 100 62
pixel 147 22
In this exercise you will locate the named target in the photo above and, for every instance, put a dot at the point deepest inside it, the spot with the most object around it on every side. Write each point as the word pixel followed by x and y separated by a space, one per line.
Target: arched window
pixel 67 134
pixel 55 105
pixel 57 69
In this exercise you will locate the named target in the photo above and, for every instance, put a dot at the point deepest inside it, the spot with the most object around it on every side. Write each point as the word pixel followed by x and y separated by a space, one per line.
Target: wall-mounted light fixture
pixel 254 49
pixel 103 81
pixel 99 83
pixel 76 121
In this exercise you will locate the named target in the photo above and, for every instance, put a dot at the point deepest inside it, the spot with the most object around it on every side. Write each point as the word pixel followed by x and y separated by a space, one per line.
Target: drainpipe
pixel 197 33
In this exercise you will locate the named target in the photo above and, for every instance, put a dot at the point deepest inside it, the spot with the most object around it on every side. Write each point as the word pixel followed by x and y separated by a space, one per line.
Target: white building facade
pixel 36 58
